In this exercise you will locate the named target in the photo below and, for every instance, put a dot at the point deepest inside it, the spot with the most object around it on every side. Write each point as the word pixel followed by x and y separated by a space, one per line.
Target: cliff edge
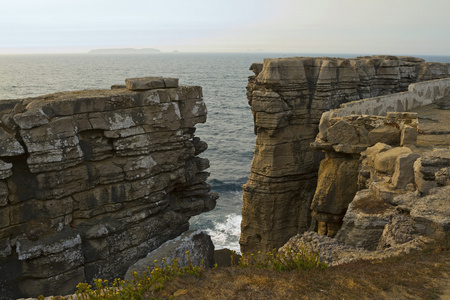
pixel 287 97
pixel 91 181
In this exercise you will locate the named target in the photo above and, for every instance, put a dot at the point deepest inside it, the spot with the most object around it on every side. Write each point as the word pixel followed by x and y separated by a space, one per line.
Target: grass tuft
pixel 305 259
pixel 149 282
pixel 301 275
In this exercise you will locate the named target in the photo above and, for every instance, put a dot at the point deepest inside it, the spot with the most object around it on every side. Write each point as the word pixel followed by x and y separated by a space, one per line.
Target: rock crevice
pixel 287 97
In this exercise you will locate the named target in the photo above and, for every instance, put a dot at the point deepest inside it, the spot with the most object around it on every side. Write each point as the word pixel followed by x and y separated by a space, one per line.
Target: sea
pixel 223 77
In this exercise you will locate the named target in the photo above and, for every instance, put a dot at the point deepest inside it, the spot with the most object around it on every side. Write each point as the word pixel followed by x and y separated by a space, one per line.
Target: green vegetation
pixel 148 285
pixel 140 284
pixel 304 259
pixel 418 275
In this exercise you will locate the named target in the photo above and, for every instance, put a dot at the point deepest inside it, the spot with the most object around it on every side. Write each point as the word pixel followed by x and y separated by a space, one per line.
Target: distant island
pixel 125 51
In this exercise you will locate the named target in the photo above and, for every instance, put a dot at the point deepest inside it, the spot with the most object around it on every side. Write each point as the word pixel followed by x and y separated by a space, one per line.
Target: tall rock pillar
pixel 288 97
pixel 287 103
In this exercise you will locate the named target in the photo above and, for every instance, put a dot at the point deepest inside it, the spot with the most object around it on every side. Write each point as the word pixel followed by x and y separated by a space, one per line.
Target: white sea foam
pixel 228 131
pixel 226 234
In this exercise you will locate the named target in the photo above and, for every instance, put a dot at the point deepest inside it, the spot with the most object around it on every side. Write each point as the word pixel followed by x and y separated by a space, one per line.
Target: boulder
pixel 399 230
pixel 429 165
pixel 384 190
pixel 430 213
pixel 404 170
pixel 342 133
pixel 9 145
pixel 443 176
pixel 5 169
pixel 372 152
pixel 226 258
pixel 197 243
pixel 364 221
pixel 385 134
pixel 385 162
pixel 424 176
pixel 149 83
pixel 409 136
pixel 439 158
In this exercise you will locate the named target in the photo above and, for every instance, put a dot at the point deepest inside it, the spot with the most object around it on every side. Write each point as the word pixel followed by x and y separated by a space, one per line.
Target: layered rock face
pixel 403 195
pixel 343 139
pixel 288 97
pixel 92 181
pixel 397 192
pixel 197 243
pixel 402 192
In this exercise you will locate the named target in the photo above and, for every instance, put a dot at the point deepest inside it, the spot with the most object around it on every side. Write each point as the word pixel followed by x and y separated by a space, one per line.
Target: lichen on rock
pixel 93 180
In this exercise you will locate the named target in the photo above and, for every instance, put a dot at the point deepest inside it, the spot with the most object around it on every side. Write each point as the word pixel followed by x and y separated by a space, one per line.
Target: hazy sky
pixel 305 26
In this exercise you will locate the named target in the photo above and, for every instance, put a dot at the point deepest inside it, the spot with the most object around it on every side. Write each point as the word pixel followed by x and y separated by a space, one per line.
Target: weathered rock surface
pixel 431 170
pixel 288 97
pixel 430 214
pixel 330 203
pixel 402 191
pixel 336 188
pixel 365 220
pixel 400 229
pixel 385 162
pixel 387 214
pixel 335 253
pixel 149 83
pixel 199 245
pixel 390 228
pixel 404 170
pixel 93 180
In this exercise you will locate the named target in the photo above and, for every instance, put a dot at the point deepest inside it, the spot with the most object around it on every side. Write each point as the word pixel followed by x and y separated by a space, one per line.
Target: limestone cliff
pixel 400 206
pixel 397 199
pixel 343 139
pixel 288 97
pixel 93 180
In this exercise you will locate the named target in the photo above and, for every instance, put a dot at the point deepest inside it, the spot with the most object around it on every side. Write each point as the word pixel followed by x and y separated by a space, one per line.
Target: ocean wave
pixel 226 234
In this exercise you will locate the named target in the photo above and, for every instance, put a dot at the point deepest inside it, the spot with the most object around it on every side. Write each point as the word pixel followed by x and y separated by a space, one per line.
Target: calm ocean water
pixel 223 77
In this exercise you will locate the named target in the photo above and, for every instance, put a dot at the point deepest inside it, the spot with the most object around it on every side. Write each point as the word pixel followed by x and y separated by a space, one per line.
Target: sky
pixel 405 27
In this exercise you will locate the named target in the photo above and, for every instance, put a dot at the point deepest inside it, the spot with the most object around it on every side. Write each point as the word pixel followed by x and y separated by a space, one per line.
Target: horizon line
pixel 210 52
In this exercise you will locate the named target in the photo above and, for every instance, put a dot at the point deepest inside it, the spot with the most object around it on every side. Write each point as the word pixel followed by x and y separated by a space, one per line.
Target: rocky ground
pixel 418 275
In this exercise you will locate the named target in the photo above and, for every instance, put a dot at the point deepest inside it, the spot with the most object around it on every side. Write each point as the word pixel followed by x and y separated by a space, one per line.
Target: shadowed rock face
pixel 196 243
pixel 288 97
pixel 91 181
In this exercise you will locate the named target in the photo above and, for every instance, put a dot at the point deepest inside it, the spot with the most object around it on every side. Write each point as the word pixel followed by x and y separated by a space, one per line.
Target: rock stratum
pixel 398 196
pixel 288 97
pixel 92 181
